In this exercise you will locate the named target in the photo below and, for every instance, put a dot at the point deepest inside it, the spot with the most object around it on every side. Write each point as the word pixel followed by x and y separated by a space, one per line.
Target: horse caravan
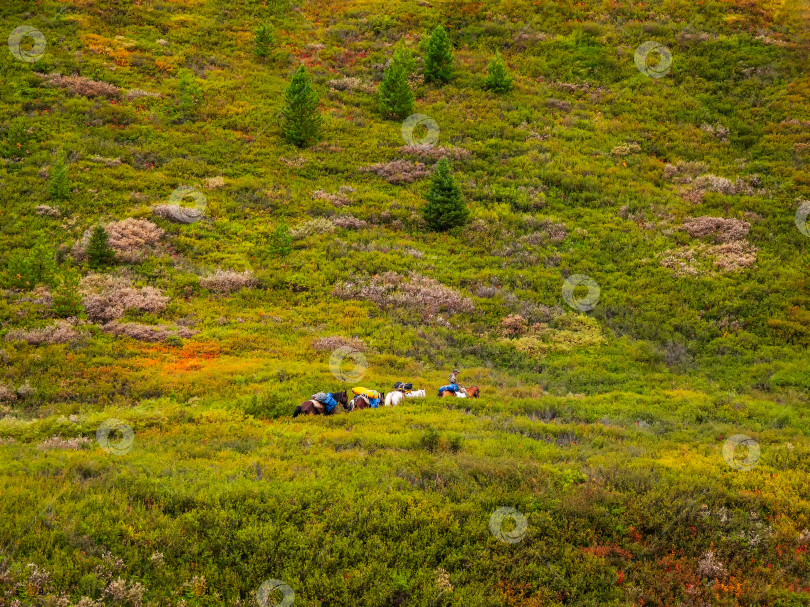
pixel 325 403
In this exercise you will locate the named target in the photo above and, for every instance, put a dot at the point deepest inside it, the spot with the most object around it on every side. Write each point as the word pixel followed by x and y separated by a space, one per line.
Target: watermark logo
pixel 801 218
pixel 15 43
pixel 347 365
pixel 733 451
pixel 412 123
pixel 266 592
pixel 583 304
pixel 643 60
pixel 115 436
pixel 187 214
pixel 518 530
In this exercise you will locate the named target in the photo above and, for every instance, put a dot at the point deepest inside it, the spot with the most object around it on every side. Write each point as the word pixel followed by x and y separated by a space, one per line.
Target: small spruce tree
pixel 99 253
pixel 445 208
pixel 439 58
pixel 280 241
pixel 189 95
pixel 60 183
pixel 499 80
pixel 265 41
pixel 404 58
pixel 301 118
pixel 396 96
pixel 67 301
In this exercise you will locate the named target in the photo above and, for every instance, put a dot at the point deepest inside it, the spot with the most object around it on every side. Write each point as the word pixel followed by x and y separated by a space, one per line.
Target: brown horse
pixel 313 407
pixel 360 401
pixel 473 392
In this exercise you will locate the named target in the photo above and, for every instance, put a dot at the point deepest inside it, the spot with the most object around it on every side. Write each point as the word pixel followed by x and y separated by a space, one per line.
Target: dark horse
pixel 313 407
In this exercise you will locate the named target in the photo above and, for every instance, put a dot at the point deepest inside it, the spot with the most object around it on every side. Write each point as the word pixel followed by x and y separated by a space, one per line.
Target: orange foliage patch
pixel 192 357
pixel 114 49
pixel 164 66
pixel 205 350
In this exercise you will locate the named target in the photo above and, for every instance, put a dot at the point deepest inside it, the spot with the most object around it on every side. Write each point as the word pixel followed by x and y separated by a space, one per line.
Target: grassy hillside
pixel 246 268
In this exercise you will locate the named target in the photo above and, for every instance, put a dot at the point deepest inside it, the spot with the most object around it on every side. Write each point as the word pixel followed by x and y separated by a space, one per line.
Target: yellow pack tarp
pixel 366 392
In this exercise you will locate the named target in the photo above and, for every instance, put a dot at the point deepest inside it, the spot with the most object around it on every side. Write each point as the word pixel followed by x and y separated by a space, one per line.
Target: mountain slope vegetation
pixel 624 274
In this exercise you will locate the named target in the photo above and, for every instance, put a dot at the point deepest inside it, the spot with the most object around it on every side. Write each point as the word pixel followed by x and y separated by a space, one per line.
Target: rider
pixel 452 385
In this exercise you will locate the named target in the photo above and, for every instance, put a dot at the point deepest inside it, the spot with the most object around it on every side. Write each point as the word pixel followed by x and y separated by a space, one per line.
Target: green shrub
pixel 280 243
pixel 301 116
pixel 189 96
pixel 445 208
pixel 430 440
pixel 439 59
pixel 60 183
pixel 26 268
pixel 15 138
pixel 67 301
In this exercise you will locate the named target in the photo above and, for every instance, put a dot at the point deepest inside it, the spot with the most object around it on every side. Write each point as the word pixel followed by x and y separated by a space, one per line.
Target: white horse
pixel 394 398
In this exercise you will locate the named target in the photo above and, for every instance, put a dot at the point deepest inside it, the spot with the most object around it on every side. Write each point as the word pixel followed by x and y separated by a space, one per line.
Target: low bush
pixel 119 296
pixel 228 281
pixel 420 293
pixel 61 332
pixel 398 172
pixel 148 333
pixel 80 85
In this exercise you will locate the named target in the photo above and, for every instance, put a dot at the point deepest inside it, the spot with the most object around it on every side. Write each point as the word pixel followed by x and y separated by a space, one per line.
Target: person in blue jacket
pixel 452 383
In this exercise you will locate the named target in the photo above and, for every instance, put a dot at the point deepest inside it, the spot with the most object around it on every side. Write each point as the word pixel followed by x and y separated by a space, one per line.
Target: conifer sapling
pixel 280 241
pixel 439 58
pixel 264 42
pixel 499 80
pixel 66 299
pixel 396 96
pixel 99 253
pixel 301 117
pixel 60 184
pixel 445 208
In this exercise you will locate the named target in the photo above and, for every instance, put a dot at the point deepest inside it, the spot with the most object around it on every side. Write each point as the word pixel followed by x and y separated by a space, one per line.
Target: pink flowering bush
pixel 131 239
pixel 721 230
pixel 148 333
pixel 339 199
pixel 57 442
pixel 80 85
pixel 228 281
pixel 108 298
pixel 434 154
pixel 333 342
pixel 414 292
pixel 398 171
pixel 684 172
pixel 349 222
pixel 61 332
pixel 514 325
